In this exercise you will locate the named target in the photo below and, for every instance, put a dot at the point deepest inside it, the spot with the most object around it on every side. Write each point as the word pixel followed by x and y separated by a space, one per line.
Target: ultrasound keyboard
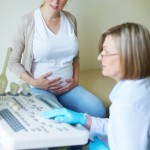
pixel 22 127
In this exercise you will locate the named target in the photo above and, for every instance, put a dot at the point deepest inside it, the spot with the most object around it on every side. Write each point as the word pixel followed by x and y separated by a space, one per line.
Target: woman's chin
pixel 104 73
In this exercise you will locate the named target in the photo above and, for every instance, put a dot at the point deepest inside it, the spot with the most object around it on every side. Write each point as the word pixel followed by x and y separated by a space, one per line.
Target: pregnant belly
pixel 61 72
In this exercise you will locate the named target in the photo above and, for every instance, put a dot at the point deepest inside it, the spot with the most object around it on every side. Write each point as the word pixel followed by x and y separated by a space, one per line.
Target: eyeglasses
pixel 105 54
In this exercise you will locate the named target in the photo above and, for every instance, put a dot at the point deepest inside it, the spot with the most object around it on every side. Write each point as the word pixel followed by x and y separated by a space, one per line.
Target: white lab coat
pixel 128 127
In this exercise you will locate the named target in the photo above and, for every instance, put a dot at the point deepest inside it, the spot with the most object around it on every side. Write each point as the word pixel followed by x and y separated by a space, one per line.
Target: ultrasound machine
pixel 23 128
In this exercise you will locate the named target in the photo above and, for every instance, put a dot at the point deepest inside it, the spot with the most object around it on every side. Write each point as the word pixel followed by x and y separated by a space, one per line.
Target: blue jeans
pixel 78 99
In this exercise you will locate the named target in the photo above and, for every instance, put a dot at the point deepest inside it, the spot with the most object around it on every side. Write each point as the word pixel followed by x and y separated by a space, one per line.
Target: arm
pixel 41 82
pixel 20 60
pixel 14 64
pixel 68 116
pixel 76 72
pixel 97 126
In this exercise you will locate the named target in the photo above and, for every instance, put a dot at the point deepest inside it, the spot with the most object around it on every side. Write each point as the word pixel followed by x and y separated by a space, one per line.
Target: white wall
pixel 94 17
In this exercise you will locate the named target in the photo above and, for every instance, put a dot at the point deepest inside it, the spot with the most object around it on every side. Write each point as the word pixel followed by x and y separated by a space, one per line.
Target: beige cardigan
pixel 22 54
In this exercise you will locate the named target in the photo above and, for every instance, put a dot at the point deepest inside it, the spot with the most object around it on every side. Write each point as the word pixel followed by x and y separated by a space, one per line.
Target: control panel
pixel 23 127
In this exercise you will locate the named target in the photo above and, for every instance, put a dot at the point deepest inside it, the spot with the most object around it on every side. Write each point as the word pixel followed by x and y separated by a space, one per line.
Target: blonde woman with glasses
pixel 124 53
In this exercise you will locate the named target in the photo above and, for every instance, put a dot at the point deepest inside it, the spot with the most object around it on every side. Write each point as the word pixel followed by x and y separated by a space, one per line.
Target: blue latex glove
pixel 65 115
pixel 97 144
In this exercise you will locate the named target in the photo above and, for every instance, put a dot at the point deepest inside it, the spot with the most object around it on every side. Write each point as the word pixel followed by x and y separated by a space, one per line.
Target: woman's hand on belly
pixel 70 84
pixel 43 83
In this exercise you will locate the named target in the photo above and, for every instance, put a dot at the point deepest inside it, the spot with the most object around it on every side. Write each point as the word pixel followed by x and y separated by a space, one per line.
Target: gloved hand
pixel 97 144
pixel 65 115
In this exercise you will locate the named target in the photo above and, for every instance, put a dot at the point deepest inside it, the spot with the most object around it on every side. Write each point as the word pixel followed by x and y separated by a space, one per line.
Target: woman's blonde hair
pixel 133 43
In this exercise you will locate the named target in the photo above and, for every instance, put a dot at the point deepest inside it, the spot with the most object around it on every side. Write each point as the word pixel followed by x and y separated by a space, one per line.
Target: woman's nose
pixel 99 58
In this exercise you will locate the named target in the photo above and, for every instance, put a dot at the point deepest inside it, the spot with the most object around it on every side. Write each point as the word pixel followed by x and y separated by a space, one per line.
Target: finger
pixel 61 119
pixel 69 80
pixel 56 84
pixel 67 85
pixel 55 79
pixel 52 113
pixel 56 88
pixel 46 75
